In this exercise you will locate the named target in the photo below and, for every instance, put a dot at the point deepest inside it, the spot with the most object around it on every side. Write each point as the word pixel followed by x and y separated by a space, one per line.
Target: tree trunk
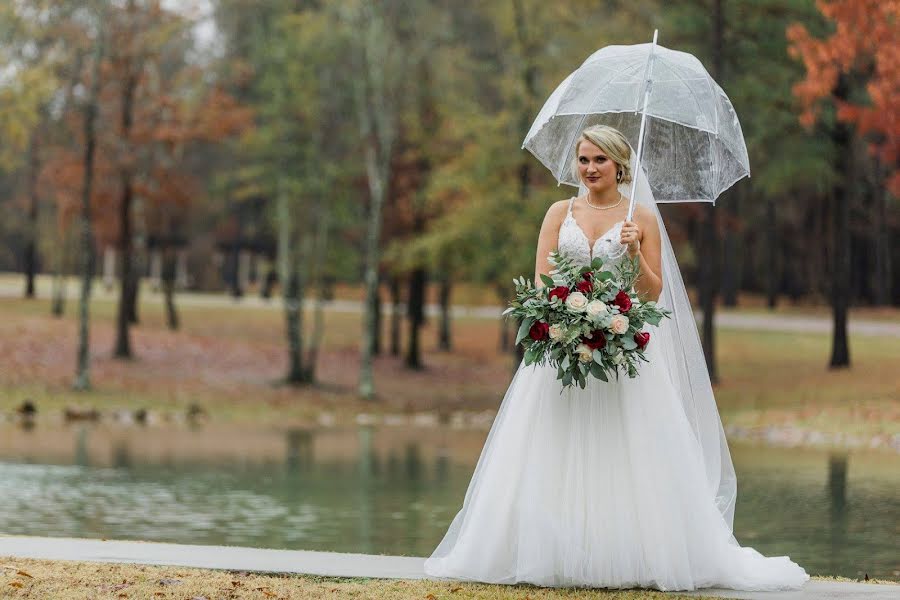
pixel 840 289
pixel 319 284
pixel 444 290
pixel 731 258
pixel 31 243
pixel 169 267
pixel 123 321
pixel 128 295
pixel 709 251
pixel 377 313
pixel 529 74
pixel 771 264
pixel 707 287
pixel 294 326
pixel 376 108
pixel 882 242
pixel 415 316
pixel 290 286
pixel 235 265
pixel 396 310
pixel 58 294
pixel 82 375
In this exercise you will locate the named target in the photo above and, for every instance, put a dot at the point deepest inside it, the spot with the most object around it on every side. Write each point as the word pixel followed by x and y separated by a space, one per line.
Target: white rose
pixel 619 324
pixel 556 331
pixel 596 308
pixel 576 301
pixel 618 358
pixel 584 353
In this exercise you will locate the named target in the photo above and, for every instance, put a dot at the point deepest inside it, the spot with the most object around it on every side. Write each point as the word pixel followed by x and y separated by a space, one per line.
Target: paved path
pixel 12 288
pixel 338 564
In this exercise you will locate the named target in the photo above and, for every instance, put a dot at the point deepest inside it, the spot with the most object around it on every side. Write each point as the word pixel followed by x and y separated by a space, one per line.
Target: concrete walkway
pixel 338 564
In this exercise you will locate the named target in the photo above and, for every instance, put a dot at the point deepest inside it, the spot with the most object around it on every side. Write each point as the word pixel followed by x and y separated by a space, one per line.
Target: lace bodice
pixel 574 242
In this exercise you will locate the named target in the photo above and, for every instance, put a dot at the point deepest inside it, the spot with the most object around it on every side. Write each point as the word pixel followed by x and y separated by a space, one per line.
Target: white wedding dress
pixel 600 487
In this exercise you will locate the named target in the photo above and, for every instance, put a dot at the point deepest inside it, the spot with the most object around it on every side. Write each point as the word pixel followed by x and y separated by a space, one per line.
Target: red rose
pixel 622 301
pixel 596 341
pixel 584 286
pixel 642 338
pixel 539 331
pixel 588 275
pixel 561 292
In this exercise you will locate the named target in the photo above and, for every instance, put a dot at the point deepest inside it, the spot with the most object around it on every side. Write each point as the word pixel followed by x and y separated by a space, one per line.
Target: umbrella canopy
pixel 693 146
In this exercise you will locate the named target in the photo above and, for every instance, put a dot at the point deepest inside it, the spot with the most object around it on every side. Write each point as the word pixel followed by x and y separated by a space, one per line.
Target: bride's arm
pixel 548 239
pixel 649 283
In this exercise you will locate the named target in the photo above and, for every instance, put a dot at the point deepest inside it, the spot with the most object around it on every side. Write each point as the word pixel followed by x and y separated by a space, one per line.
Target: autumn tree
pixel 851 89
pixel 31 56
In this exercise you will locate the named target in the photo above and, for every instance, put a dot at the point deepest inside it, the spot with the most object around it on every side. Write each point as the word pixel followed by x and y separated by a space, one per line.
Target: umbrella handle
pixel 637 163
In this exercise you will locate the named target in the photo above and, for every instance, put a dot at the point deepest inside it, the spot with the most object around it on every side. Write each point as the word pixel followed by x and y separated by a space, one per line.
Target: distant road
pixel 11 287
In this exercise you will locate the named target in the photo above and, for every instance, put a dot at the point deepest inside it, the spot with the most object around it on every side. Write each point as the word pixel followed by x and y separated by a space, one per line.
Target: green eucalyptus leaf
pixel 523 329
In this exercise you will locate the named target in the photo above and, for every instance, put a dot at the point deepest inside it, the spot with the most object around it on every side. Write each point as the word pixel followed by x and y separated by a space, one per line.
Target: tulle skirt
pixel 601 487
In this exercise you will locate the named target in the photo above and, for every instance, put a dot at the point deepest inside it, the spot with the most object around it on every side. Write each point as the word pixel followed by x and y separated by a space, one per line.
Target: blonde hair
pixel 611 141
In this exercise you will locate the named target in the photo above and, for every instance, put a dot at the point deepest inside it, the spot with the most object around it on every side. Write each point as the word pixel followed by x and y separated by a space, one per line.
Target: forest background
pixel 318 151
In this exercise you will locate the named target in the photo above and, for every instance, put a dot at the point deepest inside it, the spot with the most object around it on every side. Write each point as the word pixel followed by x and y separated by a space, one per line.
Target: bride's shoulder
pixel 559 207
pixel 556 213
pixel 644 215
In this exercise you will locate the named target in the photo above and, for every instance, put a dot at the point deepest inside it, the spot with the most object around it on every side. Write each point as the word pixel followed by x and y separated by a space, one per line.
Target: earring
pixel 619 177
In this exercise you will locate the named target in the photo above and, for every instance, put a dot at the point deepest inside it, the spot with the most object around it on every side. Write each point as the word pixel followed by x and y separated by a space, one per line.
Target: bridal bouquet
pixel 585 320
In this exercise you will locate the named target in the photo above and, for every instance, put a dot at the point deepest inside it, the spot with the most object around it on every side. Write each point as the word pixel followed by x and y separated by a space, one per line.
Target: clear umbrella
pixel 687 135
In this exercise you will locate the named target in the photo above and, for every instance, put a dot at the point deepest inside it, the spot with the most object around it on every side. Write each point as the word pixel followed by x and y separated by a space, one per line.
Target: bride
pixel 621 484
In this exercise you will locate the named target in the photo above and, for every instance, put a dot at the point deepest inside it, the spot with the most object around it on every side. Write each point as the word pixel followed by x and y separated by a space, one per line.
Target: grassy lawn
pixel 53 580
pixel 229 360
pixel 64 580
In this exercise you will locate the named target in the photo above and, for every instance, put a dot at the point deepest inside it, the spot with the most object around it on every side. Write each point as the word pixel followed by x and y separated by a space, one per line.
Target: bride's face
pixel 597 171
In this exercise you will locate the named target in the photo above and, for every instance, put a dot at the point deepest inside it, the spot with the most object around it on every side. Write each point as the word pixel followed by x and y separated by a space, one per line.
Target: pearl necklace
pixel 588 200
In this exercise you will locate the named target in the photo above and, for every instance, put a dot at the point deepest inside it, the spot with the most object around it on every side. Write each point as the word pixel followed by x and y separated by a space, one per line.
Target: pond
pixel 390 490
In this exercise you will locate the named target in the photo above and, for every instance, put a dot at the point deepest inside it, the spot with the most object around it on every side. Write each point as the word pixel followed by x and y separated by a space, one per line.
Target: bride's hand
pixel 631 237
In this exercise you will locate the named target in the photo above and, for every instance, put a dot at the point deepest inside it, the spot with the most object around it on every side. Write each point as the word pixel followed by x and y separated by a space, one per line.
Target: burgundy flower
pixel 561 292
pixel 642 338
pixel 596 341
pixel 622 301
pixel 539 331
pixel 588 275
pixel 584 286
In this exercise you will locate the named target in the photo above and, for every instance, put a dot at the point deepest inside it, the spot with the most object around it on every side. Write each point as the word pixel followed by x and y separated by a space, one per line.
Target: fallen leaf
pixel 23 574
pixel 16 584
pixel 454 590
pixel 123 595
pixel 430 597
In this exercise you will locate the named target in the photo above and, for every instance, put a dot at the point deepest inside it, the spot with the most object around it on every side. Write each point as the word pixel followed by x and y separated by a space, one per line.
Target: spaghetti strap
pixel 571 202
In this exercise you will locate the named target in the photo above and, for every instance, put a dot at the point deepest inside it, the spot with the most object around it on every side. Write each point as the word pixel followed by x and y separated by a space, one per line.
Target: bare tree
pixel 376 108
pixel 82 377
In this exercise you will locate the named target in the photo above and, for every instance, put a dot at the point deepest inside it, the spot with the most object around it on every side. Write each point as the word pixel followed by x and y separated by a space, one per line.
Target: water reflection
pixel 389 490
pixel 837 488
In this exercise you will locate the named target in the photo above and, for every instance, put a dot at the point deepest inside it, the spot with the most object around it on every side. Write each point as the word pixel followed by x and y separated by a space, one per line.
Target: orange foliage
pixel 866 41
pixel 172 114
